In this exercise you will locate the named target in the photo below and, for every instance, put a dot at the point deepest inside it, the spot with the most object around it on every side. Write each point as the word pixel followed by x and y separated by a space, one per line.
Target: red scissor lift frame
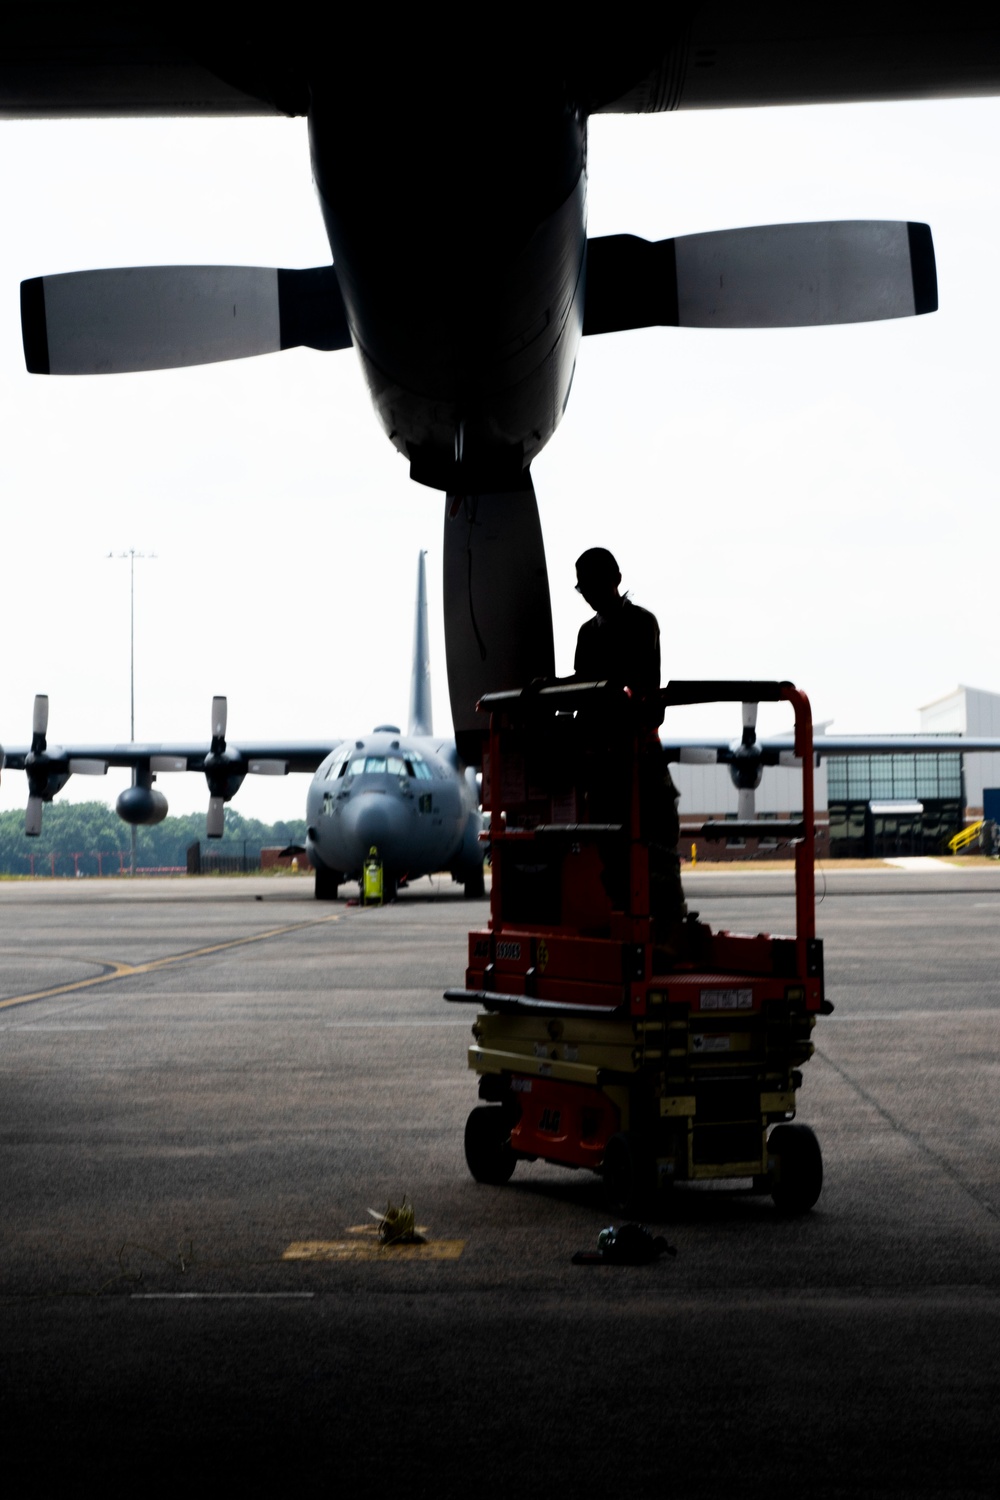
pixel 596 1047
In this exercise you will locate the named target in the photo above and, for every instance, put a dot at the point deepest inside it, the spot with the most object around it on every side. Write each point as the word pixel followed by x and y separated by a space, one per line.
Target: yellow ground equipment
pixel 372 886
pixel 968 835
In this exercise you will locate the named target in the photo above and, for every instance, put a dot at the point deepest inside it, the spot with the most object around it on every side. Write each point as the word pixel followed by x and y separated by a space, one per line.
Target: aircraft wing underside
pixel 71 61
pixel 64 60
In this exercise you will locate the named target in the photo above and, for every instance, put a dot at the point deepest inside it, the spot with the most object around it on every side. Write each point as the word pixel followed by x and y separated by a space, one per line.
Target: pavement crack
pixel 913 1136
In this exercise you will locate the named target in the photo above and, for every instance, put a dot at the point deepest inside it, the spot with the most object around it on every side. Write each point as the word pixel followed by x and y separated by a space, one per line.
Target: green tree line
pixel 89 829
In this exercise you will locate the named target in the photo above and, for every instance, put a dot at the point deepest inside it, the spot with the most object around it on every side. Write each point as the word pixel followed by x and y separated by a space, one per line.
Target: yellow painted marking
pixel 364 1245
pixel 126 971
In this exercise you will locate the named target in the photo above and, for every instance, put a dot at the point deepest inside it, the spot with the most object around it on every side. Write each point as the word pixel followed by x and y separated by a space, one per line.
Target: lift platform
pixel 611 1034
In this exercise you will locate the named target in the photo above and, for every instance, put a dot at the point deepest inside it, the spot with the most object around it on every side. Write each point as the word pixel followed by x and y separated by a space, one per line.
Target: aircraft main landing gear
pixel 327 883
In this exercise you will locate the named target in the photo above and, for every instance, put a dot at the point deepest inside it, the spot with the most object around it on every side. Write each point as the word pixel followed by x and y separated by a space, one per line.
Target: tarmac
pixel 206 1084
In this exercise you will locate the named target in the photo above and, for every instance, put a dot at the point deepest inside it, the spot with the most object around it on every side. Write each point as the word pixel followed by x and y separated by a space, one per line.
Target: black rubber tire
pixel 488 1150
pixel 629 1175
pixel 475 886
pixel 797 1178
pixel 327 883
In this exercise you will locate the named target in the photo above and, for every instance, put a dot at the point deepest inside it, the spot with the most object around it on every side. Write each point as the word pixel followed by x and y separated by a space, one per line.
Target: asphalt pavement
pixel 206 1084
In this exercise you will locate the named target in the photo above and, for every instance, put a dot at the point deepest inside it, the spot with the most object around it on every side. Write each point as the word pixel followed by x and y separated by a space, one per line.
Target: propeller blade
pixel 497 612
pixel 764 276
pixel 268 768
pixel 215 820
pixel 40 718
pixel 162 317
pixel 747 806
pixel 167 763
pixel 33 817
pixel 220 714
pixel 88 767
pixel 750 716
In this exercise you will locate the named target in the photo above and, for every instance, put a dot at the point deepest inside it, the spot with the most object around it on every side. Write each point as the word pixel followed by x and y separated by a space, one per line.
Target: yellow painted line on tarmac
pixel 365 1245
pixel 127 971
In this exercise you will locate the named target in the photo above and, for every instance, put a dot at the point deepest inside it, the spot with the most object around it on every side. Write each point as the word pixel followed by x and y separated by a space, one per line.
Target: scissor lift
pixel 597 1044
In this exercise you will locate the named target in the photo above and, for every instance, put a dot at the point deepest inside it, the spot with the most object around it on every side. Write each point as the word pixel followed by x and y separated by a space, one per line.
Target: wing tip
pixel 34 331
pixel 923 268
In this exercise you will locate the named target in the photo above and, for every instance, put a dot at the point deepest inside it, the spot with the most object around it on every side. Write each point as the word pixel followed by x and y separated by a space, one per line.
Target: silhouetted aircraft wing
pixel 59 59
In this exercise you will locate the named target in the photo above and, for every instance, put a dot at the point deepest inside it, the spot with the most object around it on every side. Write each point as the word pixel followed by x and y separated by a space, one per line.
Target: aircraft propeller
pixel 498 624
pixel 497 609
pixel 130 318
pixel 48 769
pixel 223 782
pixel 746 766
pixel 165 317
pixel 225 769
pixel 746 759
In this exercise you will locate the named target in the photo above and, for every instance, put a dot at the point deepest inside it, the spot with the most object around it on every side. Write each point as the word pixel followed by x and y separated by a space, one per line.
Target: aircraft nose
pixel 373 818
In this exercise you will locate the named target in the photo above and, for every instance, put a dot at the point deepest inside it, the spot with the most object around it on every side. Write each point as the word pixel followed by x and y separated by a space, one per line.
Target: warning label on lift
pixel 701 1043
pixel 725 999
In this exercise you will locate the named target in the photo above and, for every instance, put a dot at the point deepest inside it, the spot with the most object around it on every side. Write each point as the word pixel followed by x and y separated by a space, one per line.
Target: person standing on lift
pixel 621 645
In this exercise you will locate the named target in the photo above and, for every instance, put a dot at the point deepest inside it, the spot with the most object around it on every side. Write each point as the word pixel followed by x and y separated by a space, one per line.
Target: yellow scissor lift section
pixel 596 1044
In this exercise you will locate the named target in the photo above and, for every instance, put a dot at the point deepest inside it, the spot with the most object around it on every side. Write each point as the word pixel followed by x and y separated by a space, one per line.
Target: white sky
pixel 812 504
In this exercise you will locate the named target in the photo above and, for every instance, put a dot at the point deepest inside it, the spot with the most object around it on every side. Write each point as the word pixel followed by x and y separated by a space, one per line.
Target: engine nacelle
pixel 223 780
pixel 141 806
pixel 46 786
pixel 746 769
pixel 43 780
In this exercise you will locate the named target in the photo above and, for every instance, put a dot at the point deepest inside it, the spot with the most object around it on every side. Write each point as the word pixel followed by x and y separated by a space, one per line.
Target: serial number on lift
pixel 725 999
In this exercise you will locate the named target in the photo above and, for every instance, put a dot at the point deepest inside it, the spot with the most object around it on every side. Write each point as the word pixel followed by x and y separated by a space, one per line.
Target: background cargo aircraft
pixel 467 323
pixel 408 796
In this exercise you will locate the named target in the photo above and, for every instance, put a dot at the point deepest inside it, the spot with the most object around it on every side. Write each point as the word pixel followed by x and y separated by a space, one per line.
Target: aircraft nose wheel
pixel 795 1168
pixel 488 1151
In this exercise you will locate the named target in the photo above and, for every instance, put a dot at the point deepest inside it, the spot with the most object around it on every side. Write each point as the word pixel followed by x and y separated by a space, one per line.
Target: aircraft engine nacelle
pixel 221 784
pixel 45 784
pixel 141 806
pixel 746 770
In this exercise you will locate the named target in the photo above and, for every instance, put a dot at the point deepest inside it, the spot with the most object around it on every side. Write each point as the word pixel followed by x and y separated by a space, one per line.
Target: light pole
pixel 132 554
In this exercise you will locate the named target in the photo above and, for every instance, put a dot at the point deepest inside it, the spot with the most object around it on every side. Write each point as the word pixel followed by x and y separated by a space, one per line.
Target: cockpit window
pixel 407 763
pixel 338 765
pixel 377 765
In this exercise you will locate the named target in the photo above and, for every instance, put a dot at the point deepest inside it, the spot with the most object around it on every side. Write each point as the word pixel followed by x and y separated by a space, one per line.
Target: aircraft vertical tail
pixel 420 682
